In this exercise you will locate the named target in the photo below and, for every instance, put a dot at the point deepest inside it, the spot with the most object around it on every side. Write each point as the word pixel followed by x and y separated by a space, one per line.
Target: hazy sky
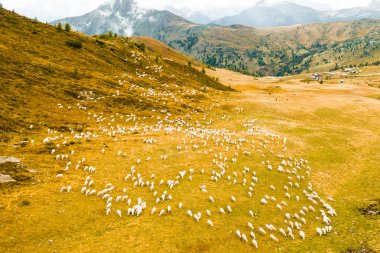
pixel 48 10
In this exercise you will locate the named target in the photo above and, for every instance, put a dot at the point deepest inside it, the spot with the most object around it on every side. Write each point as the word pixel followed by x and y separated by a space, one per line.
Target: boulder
pixel 9 159
pixel 4 179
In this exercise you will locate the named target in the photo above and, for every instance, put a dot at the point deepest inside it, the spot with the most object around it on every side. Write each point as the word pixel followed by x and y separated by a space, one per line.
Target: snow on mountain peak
pixel 269 3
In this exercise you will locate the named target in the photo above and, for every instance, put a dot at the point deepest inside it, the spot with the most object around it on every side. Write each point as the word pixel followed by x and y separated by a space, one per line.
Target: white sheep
pixel 255 244
pixel 274 238
pixel 302 234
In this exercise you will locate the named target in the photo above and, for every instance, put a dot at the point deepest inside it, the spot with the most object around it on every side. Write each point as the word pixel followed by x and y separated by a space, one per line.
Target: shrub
pixel 203 71
pixel 25 202
pixel 74 44
pixel 189 64
pixel 67 27
pixel 59 26
pixel 75 74
pixel 141 46
pixel 100 42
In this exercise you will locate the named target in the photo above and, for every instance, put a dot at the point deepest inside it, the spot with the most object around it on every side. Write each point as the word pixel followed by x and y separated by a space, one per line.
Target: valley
pixel 300 46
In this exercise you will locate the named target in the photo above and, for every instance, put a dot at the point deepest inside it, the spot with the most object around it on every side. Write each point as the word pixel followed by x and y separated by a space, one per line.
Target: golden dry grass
pixel 334 126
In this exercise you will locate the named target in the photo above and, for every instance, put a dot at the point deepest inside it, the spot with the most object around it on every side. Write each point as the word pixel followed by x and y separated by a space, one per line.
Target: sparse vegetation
pixel 25 202
pixel 74 44
pixel 68 27
pixel 141 46
pixel 59 26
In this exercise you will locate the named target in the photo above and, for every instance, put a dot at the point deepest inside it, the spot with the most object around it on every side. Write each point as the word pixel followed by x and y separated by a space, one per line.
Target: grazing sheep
pixel 261 230
pixel 302 234
pixel 244 238
pixel 274 238
pixel 319 231
pixel 255 244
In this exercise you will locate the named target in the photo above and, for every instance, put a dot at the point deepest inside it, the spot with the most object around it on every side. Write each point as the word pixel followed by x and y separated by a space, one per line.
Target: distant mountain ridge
pixel 125 18
pixel 188 14
pixel 267 13
pixel 255 51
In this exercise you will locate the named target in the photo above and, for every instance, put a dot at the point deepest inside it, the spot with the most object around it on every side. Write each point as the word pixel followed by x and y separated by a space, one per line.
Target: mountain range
pixel 256 51
pixel 285 13
pixel 190 15
pixel 126 18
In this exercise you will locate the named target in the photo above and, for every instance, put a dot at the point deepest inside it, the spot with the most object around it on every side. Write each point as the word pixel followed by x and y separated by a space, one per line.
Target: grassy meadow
pixel 167 118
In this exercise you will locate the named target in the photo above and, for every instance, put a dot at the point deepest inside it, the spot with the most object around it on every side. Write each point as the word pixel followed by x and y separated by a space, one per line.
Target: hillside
pixel 285 50
pixel 284 13
pixel 45 69
pixel 165 51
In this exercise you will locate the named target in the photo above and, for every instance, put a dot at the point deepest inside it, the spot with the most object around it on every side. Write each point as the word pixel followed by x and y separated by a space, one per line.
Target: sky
pixel 49 10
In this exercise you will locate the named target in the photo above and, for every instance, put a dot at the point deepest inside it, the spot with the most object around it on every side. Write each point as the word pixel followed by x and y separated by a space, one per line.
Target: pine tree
pixel 67 27
pixel 59 26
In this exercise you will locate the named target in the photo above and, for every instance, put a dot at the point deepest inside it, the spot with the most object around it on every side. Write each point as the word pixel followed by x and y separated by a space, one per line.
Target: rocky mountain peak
pixel 122 6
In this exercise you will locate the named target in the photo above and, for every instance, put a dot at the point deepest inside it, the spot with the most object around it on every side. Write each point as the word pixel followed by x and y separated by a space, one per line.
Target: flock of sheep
pixel 270 188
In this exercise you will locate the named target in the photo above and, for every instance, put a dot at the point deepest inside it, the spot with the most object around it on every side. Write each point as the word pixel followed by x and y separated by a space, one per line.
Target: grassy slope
pixel 162 49
pixel 37 68
pixel 310 117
